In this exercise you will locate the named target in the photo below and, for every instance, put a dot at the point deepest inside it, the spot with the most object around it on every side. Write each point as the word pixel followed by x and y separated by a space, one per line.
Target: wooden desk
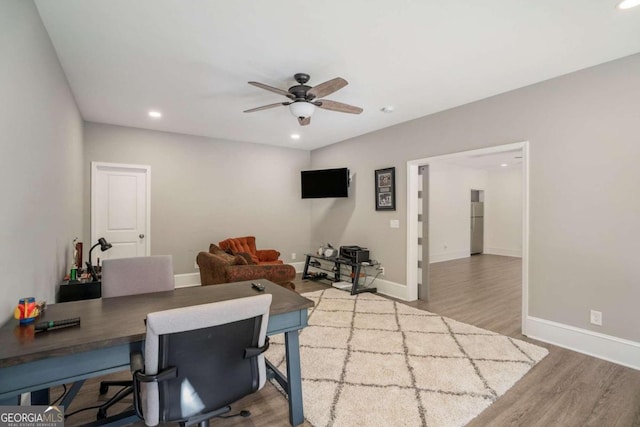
pixel 113 327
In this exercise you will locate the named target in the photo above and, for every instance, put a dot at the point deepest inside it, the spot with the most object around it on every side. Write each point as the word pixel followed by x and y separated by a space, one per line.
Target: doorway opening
pixel 425 247
pixel 476 241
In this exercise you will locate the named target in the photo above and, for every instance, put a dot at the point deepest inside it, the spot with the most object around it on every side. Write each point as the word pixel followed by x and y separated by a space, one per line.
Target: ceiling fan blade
pixel 338 106
pixel 304 121
pixel 266 107
pixel 271 89
pixel 328 87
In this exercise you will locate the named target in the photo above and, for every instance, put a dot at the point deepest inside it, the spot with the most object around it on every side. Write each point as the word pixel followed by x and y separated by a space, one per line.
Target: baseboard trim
pixel 612 349
pixel 503 252
pixel 447 257
pixel 299 266
pixel 386 287
pixel 391 289
pixel 187 279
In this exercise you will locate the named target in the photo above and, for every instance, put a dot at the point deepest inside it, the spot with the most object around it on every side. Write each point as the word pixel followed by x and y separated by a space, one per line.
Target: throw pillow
pixel 215 250
pixel 220 259
pixel 247 257
pixel 239 260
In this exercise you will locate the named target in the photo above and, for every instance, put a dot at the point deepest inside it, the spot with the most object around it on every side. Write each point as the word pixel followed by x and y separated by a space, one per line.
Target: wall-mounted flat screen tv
pixel 323 183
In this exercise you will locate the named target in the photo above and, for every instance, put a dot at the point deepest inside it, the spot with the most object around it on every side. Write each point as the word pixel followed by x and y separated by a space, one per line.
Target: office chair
pixel 200 359
pixel 139 275
pixel 131 276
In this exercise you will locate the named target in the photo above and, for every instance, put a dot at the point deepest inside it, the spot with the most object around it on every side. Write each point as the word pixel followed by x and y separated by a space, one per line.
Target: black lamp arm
pixel 104 245
pixel 90 268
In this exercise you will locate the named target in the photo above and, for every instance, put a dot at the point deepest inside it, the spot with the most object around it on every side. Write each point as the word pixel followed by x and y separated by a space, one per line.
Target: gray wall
pixel 204 190
pixel 40 160
pixel 584 214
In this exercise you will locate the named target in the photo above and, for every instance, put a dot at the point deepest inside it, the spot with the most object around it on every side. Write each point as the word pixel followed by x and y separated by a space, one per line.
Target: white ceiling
pixel 192 59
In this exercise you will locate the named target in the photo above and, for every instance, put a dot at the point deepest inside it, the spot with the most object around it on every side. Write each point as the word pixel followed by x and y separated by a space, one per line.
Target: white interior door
pixel 120 206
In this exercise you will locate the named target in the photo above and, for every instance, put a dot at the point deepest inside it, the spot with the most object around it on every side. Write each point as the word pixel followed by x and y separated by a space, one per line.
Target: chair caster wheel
pixel 104 388
pixel 102 414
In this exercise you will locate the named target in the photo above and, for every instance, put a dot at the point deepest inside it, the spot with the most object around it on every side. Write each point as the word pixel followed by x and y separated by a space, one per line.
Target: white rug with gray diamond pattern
pixel 369 361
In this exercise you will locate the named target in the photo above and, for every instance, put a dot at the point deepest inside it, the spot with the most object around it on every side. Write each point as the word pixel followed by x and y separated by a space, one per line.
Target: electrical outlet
pixel 196 266
pixel 381 270
pixel 293 255
pixel 596 317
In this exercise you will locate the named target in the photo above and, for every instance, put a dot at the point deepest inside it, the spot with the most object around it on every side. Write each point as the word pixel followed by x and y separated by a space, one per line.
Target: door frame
pixel 95 166
pixel 412 217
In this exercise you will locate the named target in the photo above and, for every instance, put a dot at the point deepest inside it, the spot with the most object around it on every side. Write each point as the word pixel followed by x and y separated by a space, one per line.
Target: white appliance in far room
pixel 477 227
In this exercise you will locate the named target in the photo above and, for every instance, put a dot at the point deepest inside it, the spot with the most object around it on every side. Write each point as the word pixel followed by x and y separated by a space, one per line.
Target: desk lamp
pixel 104 245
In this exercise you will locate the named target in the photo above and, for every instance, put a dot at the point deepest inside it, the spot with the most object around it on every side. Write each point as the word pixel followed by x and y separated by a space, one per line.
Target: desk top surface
pixel 108 322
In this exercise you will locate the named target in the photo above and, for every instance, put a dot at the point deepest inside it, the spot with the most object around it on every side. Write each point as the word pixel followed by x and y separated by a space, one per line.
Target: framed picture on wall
pixel 385 189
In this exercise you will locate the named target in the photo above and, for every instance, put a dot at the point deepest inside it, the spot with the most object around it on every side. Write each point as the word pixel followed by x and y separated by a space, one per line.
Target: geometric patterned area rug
pixel 370 361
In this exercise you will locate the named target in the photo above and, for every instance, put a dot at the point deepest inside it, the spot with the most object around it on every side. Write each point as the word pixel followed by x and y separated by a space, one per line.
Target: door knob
pixel 141 236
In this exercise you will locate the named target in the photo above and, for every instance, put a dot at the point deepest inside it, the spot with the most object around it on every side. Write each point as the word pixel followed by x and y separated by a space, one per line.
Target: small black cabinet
pixel 78 290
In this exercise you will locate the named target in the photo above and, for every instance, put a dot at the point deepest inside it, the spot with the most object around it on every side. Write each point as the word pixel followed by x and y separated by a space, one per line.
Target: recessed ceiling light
pixel 387 109
pixel 155 114
pixel 504 165
pixel 628 4
pixel 295 136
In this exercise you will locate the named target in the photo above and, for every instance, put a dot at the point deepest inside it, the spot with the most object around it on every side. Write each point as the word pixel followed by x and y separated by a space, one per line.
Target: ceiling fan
pixel 304 98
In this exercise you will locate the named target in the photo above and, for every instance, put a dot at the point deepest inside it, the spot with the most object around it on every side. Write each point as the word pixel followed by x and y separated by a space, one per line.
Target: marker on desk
pixel 57 324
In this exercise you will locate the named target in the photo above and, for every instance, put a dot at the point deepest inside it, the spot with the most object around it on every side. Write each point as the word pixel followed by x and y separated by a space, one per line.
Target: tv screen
pixel 318 184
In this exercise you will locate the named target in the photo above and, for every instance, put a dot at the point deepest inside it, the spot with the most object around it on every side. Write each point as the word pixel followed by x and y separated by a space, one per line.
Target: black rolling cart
pixel 331 269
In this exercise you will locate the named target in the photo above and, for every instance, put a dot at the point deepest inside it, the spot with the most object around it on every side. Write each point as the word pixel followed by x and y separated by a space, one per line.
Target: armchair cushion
pixel 247 245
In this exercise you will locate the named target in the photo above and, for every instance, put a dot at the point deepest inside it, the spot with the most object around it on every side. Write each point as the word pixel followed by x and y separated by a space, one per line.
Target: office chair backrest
pixel 140 275
pixel 216 350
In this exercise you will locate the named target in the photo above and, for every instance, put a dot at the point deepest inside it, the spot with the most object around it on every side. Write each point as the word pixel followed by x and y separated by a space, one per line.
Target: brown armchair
pixel 217 266
pixel 247 244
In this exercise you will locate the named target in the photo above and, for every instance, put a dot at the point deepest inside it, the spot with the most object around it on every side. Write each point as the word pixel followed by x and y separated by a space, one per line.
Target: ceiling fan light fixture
pixel 302 109
pixel 303 99
pixel 628 4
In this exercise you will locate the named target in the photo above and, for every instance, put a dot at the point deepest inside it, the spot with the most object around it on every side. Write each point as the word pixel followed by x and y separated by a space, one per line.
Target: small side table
pixel 76 290
pixel 356 267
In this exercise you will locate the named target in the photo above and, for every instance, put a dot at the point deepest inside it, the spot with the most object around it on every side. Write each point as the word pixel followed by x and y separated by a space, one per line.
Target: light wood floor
pixel 482 290
pixel 564 389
